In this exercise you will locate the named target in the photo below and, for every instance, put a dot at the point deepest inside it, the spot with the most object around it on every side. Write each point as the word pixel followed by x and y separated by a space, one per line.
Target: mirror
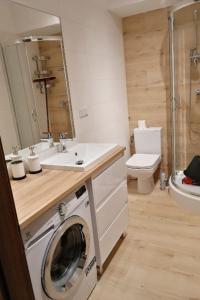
pixel 34 91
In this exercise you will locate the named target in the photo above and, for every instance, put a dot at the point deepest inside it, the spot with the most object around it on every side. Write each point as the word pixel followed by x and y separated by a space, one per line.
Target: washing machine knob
pixel 62 209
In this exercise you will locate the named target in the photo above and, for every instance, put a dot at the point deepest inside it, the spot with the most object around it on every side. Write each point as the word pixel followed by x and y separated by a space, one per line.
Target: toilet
pixel 146 161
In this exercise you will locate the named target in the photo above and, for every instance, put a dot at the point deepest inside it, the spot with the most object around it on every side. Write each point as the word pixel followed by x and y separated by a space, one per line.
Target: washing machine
pixel 60 250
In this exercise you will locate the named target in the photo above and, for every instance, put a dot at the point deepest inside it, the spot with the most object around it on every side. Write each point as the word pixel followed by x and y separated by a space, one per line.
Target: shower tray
pixel 186 196
pixel 188 188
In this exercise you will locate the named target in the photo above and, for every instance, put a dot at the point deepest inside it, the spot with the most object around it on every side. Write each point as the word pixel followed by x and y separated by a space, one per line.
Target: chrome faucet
pixel 62 147
pixel 49 139
pixel 62 135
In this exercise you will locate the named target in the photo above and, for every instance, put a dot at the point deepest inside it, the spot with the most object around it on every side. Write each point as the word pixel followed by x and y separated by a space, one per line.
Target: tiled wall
pixel 147 69
pixel 95 60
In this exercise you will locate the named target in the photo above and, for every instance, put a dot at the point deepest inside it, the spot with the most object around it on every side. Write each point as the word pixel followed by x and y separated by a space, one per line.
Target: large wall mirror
pixel 34 90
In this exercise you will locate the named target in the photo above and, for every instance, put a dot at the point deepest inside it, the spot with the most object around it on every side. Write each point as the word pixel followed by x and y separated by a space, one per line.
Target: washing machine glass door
pixel 66 256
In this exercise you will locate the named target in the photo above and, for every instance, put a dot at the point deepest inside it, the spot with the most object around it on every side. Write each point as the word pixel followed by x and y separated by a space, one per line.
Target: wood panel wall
pixel 146 43
pixel 59 112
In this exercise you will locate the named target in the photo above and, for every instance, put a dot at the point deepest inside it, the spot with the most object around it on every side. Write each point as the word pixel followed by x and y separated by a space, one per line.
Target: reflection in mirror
pixel 36 96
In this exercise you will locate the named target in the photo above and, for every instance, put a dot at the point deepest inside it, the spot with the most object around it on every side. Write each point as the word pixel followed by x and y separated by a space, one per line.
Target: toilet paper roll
pixel 141 124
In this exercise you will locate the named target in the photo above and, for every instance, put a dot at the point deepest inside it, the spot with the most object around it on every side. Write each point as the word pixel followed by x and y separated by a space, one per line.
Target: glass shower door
pixel 185 73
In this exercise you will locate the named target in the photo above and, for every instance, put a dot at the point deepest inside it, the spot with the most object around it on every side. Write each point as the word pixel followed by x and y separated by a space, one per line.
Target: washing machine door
pixel 66 256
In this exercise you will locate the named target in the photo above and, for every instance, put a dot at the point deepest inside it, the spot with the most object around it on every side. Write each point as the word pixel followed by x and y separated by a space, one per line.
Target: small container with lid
pixel 34 162
pixel 18 171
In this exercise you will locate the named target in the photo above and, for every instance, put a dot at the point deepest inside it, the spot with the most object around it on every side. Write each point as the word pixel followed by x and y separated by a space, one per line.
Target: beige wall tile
pixel 147 70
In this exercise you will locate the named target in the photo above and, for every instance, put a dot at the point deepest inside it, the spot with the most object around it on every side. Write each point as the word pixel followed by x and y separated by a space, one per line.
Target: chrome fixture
pixel 197 92
pixel 194 54
pixel 44 70
pixel 48 139
pixel 42 78
pixel 62 135
pixel 195 58
pixel 61 146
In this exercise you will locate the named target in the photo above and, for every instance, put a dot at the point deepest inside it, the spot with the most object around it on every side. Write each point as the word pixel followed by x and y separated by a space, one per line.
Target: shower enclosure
pixel 184 23
pixel 38 83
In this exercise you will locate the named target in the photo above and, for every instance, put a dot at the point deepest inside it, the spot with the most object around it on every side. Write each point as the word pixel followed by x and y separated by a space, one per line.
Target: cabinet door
pixel 110 208
pixel 112 235
pixel 108 181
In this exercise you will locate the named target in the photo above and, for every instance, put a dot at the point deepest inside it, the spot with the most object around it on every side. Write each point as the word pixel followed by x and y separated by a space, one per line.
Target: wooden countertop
pixel 34 195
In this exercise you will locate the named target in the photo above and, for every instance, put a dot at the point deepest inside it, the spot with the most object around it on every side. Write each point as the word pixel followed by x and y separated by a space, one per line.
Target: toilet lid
pixel 143 161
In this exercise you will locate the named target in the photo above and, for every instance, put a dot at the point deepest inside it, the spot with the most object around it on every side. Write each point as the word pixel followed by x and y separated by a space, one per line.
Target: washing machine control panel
pixel 80 192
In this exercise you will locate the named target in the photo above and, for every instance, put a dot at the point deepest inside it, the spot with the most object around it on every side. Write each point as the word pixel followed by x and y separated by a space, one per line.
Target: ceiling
pixel 124 8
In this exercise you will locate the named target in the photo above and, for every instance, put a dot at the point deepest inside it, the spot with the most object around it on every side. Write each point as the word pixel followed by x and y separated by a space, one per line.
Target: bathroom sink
pixel 78 158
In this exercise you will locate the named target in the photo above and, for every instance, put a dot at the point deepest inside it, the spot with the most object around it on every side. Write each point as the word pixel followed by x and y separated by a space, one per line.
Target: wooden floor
pixel 160 257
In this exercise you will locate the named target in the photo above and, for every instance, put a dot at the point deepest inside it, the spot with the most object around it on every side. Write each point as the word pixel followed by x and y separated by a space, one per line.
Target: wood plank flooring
pixel 160 257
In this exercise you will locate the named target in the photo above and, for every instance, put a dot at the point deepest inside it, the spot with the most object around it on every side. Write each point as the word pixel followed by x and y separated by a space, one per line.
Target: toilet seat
pixel 143 161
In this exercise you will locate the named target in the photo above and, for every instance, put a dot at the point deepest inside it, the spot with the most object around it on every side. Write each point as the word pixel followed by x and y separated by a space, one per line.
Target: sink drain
pixel 79 162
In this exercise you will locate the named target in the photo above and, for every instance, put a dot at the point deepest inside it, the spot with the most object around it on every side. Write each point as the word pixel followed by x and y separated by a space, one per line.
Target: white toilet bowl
pixel 143 167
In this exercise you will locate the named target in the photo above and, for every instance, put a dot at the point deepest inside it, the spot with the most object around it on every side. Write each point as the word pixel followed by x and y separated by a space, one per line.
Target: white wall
pixel 95 60
pixel 8 131
pixel 32 19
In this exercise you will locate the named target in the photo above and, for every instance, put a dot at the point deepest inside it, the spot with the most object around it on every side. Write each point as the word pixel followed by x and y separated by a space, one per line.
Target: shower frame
pixel 173 96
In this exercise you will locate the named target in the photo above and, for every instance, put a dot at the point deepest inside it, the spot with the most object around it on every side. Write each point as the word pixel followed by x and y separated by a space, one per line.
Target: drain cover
pixel 79 162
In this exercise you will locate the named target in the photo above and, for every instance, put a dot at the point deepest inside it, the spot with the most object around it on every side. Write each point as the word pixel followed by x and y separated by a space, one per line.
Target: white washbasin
pixel 85 154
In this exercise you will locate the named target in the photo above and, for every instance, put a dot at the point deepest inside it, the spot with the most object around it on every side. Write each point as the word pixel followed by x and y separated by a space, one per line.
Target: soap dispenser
pixel 34 162
pixel 15 155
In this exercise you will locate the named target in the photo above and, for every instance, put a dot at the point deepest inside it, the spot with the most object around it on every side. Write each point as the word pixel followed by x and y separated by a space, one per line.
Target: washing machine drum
pixel 66 256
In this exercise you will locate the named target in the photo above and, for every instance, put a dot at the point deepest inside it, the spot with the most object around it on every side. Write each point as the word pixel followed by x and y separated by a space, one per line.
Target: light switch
pixel 83 113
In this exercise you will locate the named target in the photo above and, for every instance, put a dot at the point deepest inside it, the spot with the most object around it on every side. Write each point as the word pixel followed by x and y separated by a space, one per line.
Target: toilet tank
pixel 148 140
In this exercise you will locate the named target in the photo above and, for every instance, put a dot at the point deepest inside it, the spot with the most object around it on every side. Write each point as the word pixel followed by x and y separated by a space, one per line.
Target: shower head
pixel 194 56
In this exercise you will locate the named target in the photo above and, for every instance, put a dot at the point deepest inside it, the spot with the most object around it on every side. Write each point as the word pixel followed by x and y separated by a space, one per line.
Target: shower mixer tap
pixel 194 56
pixel 197 92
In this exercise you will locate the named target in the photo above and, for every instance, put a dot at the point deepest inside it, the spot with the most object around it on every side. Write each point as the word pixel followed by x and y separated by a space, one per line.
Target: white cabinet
pixel 109 208
pixel 108 180
pixel 112 235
